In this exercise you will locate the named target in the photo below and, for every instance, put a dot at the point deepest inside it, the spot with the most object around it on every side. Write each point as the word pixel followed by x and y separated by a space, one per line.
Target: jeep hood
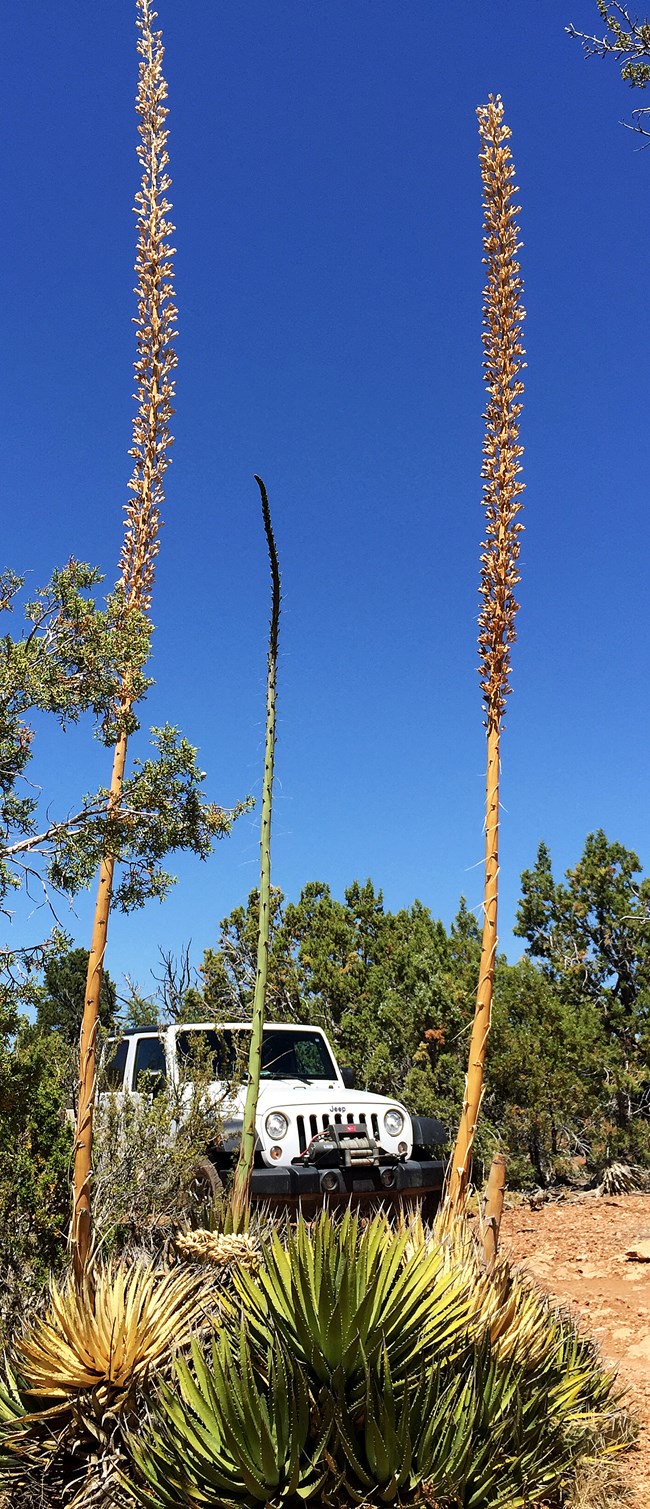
pixel 300 1096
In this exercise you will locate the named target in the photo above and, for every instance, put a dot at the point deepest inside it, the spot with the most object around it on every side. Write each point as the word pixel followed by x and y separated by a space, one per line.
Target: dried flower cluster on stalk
pixel 503 364
pixel 154 366
pixel 155 321
pixel 219 1247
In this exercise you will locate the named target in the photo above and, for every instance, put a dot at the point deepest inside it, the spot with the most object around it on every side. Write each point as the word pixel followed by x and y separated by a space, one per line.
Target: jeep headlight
pixel 393 1122
pixel 277 1125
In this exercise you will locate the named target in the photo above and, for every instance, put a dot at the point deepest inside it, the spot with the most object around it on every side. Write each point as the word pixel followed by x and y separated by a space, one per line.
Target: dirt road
pixel 576 1248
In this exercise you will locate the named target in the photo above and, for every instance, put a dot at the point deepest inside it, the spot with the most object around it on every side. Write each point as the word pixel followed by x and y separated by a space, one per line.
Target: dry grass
pixel 598 1485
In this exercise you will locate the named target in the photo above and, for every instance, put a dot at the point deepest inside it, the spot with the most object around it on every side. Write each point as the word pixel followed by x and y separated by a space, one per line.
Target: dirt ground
pixel 576 1248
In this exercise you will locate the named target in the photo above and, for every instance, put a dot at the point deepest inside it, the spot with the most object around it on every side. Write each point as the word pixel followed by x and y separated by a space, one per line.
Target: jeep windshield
pixel 296 1053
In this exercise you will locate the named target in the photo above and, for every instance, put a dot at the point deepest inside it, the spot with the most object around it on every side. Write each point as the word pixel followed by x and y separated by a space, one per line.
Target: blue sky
pixel 327 202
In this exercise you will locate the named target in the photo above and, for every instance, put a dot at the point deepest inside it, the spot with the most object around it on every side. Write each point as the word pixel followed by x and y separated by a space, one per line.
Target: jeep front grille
pixel 310 1126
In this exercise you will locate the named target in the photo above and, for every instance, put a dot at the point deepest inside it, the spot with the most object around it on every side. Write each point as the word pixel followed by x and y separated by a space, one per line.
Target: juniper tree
pixel 627 39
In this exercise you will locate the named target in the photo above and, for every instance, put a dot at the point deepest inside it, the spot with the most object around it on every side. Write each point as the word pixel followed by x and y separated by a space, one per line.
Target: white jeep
pixel 316 1135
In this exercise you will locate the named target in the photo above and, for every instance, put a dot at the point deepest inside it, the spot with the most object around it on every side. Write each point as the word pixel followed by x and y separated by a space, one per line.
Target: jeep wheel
pixel 205 1183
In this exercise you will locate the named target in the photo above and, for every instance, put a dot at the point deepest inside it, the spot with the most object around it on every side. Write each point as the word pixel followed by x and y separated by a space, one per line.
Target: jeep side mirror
pixel 347 1075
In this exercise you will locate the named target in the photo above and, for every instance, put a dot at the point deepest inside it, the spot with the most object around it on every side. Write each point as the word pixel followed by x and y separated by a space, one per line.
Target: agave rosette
pixel 111 1331
pixel 364 1367
pixel 237 1430
pixel 338 1291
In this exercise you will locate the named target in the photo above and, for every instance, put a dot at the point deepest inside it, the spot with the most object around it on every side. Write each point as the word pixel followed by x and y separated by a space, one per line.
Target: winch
pixel 341 1147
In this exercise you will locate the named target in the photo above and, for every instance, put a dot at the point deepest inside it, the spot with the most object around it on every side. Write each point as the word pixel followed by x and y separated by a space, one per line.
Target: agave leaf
pixel 202 1423
pixel 12 1409
pixel 351 1451
pixel 235 1433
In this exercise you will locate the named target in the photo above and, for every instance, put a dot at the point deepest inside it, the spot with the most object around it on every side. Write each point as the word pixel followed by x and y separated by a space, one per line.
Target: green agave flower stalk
pixel 502 487
pixel 154 367
pixel 241 1190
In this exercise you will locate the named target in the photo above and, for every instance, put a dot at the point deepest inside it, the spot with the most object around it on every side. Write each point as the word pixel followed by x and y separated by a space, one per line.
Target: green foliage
pixel 35 1150
pixel 567 1074
pixel 543 1054
pixel 310 1386
pixel 68 660
pixel 393 991
pixel 147 1150
pixel 60 1006
pixel 626 38
pixel 591 935
pixel 161 810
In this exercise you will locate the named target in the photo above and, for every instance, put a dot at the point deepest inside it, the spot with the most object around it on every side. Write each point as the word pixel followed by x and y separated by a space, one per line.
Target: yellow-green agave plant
pixel 123 1321
pixel 371 1364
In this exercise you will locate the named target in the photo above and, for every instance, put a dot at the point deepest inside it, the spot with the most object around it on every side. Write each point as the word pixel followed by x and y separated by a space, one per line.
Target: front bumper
pixel 412 1179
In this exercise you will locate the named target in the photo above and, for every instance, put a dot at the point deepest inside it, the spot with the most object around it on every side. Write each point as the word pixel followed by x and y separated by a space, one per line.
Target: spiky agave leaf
pixel 485 1432
pixel 376 1445
pixel 531 1424
pixel 481 1432
pixel 12 1424
pixel 108 1332
pixel 12 1409
pixel 533 1389
pixel 337 1291
pixel 425 1434
pixel 28 1449
pixel 236 1431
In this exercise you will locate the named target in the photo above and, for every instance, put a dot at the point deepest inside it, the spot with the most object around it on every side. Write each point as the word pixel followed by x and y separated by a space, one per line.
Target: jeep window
pixel 294 1054
pixel 297 1054
pixel 113 1069
pixel 150 1070
pixel 208 1050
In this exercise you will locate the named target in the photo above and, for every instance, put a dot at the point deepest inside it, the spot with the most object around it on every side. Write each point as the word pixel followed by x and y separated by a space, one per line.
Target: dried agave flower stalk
pixel 155 324
pixel 502 488
pixel 154 367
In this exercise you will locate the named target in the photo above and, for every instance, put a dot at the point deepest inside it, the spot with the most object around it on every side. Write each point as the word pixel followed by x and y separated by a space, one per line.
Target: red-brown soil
pixel 576 1249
